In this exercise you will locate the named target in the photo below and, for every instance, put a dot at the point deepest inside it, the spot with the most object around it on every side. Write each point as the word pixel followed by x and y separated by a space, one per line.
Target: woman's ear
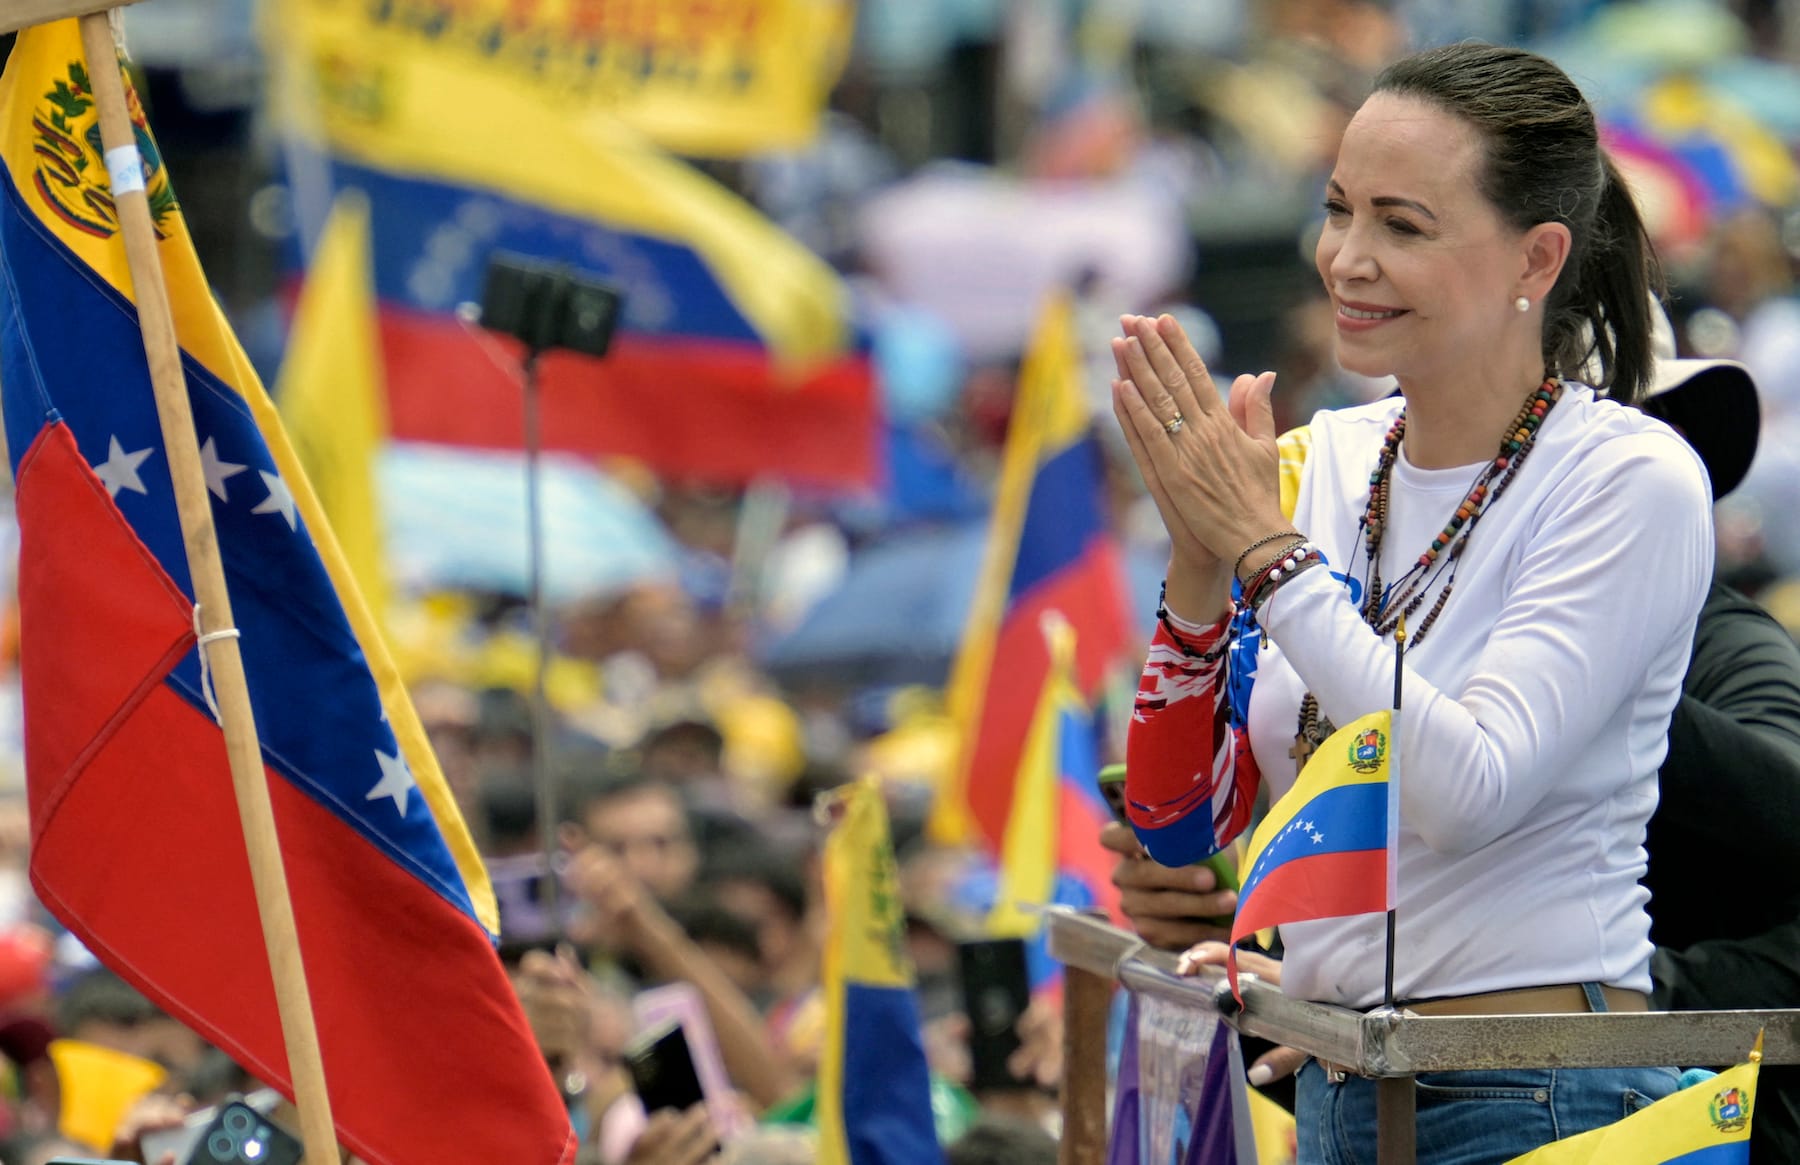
pixel 1546 249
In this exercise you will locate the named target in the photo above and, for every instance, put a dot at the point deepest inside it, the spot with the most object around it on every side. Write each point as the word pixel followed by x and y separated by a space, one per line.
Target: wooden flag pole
pixel 20 14
pixel 224 660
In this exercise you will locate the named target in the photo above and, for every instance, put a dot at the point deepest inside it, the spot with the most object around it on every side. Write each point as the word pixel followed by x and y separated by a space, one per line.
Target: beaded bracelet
pixel 1238 566
pixel 1299 541
pixel 1164 617
pixel 1300 558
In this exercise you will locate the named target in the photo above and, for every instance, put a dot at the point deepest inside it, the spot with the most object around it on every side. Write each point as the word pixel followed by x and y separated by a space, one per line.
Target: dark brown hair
pixel 1544 164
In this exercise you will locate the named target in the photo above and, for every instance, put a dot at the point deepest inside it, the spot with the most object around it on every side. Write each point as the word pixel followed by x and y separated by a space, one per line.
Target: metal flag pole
pixel 1396 1100
pixel 1393 810
pixel 218 640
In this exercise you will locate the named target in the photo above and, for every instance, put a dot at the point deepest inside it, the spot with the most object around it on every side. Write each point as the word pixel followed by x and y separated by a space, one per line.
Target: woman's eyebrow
pixel 1386 200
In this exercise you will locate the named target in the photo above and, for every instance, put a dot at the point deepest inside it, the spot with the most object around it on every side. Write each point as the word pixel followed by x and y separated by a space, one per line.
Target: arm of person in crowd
pixel 1170 908
pixel 1735 740
pixel 1616 565
pixel 632 920
pixel 150 1113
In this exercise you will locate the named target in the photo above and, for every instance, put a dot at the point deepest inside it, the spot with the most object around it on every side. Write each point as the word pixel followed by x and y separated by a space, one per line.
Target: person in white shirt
pixel 1548 547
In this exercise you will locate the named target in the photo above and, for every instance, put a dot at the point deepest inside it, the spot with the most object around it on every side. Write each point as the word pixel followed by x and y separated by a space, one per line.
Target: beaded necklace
pixel 1384 605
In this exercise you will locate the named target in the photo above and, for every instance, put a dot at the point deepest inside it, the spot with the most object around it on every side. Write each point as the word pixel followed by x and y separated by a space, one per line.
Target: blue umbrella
pixel 896 618
pixel 899 614
pixel 456 518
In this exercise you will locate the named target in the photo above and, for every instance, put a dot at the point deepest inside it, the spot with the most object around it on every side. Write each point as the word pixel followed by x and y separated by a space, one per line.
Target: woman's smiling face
pixel 1421 268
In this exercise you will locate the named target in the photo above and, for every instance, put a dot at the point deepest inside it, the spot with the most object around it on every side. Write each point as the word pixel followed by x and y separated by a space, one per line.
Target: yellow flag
pixel 1274 1129
pixel 704 78
pixel 99 1086
pixel 874 1095
pixel 331 397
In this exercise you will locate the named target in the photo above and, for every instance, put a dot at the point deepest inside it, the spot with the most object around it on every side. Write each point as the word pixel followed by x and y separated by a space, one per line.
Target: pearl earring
pixel 1522 305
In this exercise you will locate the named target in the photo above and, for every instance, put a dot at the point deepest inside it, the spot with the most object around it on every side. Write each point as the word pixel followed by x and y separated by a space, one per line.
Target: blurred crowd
pixel 977 155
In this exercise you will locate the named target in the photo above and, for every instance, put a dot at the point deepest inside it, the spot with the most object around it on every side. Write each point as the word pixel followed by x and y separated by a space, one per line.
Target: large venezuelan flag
pixel 1049 548
pixel 735 355
pixel 136 844
pixel 1704 1124
pixel 874 1098
pixel 1322 851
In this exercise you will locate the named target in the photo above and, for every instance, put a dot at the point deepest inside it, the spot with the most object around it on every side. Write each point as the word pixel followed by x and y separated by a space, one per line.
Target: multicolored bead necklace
pixel 1384 604
pixel 1383 607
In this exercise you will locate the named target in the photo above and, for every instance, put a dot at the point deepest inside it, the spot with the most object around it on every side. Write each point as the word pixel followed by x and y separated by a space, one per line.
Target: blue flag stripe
pixel 1342 819
pixel 883 1119
pixel 674 291
pixel 1062 517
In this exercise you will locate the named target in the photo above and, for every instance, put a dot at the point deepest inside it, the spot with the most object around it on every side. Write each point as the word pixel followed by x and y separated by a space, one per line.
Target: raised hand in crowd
pixel 1037 1062
pixel 557 1000
pixel 629 921
pixel 1039 1059
pixel 1168 908
pixel 151 1113
pixel 676 1138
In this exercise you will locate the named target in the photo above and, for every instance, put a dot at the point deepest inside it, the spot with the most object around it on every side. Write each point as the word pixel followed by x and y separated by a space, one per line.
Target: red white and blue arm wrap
pixel 1190 780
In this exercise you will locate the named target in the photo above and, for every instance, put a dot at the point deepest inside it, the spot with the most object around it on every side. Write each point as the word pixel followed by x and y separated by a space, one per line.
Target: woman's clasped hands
pixel 1210 465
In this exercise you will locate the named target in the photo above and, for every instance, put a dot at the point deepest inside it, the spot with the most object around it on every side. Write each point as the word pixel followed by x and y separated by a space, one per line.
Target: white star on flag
pixel 279 501
pixel 120 469
pixel 217 471
pixel 1317 838
pixel 396 781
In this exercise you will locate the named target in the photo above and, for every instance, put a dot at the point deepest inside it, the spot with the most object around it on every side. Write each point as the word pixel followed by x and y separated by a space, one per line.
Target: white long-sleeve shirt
pixel 1535 712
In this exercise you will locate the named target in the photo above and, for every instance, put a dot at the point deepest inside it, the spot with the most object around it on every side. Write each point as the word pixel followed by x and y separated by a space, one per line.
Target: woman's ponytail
pixel 1619 267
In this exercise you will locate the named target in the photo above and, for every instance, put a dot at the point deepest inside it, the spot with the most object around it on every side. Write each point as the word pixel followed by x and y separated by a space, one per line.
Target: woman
pixel 1548 547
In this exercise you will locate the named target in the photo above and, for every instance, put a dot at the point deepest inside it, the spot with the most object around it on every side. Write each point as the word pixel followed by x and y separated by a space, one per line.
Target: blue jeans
pixel 1473 1118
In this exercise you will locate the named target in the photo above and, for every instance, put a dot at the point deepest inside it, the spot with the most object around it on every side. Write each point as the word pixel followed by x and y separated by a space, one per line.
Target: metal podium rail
pixel 1393 1047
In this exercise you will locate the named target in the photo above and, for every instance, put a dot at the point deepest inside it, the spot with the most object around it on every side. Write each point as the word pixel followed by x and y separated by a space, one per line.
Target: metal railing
pixel 1390 1046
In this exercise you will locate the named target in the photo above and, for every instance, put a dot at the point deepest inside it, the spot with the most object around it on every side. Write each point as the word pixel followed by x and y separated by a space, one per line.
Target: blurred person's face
pixel 454 747
pixel 1748 264
pixel 746 974
pixel 682 757
pixel 1421 268
pixel 448 711
pixel 778 934
pixel 646 830
pixel 163 1041
pixel 661 623
pixel 588 629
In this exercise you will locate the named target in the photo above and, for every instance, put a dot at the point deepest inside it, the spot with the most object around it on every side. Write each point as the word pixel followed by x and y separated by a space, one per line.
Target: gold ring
pixel 1173 427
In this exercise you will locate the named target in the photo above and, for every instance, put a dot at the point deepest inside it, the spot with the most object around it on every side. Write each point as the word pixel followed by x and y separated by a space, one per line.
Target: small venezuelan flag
pixel 1704 1124
pixel 1322 852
